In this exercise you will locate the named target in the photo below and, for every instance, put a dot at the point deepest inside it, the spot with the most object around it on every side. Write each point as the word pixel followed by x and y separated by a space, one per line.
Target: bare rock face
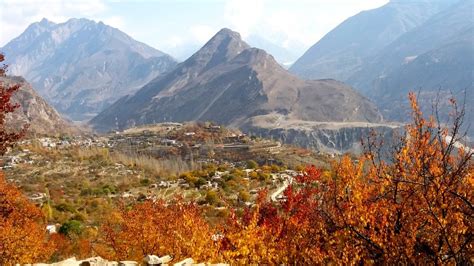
pixel 35 111
pixel 81 66
pixel 228 82
pixel 327 137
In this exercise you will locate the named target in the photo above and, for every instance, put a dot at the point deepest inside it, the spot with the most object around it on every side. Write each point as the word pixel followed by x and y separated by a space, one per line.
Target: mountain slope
pixel 35 111
pixel 453 25
pixel 436 58
pixel 81 66
pixel 228 82
pixel 344 50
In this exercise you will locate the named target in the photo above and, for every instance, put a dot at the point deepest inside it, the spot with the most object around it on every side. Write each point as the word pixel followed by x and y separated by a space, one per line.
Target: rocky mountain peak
pixel 222 47
pixel 230 83
pixel 46 23
pixel 227 32
pixel 82 66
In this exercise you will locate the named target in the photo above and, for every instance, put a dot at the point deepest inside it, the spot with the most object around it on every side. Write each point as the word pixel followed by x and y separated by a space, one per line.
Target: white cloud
pixel 292 24
pixel 16 15
pixel 244 15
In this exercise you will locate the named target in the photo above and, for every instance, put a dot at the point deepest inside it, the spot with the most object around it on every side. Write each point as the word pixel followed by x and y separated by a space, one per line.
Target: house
pixel 47 143
pixel 168 142
pixel 15 160
pixel 127 195
pixel 164 184
pixel 248 171
pixel 184 185
pixel 214 128
pixel 292 172
pixel 210 185
pixel 37 196
pixel 216 177
pixel 52 228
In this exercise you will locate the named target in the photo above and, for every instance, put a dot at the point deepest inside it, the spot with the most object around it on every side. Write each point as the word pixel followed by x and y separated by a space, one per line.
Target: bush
pixel 71 228
pixel 64 207
pixel 262 176
pixel 251 164
pixel 145 182
pixel 244 196
pixel 211 197
pixel 200 181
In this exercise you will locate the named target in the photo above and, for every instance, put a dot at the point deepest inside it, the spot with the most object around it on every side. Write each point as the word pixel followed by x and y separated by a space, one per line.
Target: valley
pixel 204 163
pixel 239 149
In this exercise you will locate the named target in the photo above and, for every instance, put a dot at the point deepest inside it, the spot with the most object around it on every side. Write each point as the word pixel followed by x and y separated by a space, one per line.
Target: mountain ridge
pixel 343 51
pixel 436 59
pixel 82 66
pixel 227 82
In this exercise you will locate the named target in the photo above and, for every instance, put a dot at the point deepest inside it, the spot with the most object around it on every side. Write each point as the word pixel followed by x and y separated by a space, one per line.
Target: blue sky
pixel 171 25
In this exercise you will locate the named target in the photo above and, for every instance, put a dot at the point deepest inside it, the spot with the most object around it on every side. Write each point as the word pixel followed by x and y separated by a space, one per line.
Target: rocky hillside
pixel 421 46
pixel 82 66
pixel 228 82
pixel 35 111
pixel 345 49
pixel 436 59
pixel 326 137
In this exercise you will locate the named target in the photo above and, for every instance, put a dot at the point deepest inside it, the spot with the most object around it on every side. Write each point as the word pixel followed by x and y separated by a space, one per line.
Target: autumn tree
pixel 22 233
pixel 23 236
pixel 7 136
pixel 177 229
pixel 414 208
pixel 272 233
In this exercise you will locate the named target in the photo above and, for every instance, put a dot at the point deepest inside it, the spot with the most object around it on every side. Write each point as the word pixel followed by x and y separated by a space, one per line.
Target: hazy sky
pixel 172 24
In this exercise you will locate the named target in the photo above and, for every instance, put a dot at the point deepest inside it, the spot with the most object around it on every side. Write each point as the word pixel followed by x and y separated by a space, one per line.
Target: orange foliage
pixel 22 234
pixel 415 208
pixel 176 229
pixel 62 246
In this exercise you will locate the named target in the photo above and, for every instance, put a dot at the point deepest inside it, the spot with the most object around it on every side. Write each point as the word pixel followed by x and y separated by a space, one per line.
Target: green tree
pixel 251 164
pixel 71 228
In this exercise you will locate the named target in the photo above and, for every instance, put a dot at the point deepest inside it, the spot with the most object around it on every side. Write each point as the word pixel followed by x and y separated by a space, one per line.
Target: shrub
pixel 71 228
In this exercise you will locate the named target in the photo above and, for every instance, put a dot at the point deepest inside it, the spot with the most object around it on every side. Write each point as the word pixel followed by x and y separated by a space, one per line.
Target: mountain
pixel 344 50
pixel 284 56
pixel 82 66
pixel 436 59
pixel 35 111
pixel 230 83
pixel 448 31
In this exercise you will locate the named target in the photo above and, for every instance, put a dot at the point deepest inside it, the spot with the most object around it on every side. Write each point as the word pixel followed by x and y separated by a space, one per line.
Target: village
pixel 78 177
